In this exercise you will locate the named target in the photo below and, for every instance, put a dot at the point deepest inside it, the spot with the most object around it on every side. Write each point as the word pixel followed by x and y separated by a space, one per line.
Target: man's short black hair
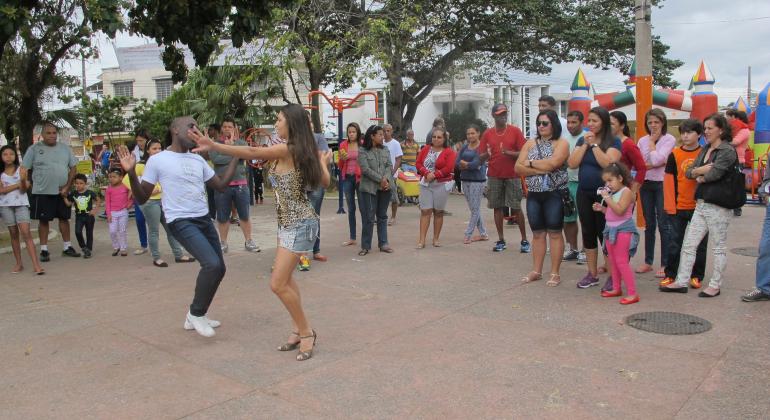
pixel 576 114
pixel 548 99
pixel 215 126
pixel 229 119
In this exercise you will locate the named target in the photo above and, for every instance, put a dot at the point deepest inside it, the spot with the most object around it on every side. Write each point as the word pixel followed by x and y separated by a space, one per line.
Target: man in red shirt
pixel 501 145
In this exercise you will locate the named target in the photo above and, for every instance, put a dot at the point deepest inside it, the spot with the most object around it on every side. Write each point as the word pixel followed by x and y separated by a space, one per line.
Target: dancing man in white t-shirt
pixel 183 176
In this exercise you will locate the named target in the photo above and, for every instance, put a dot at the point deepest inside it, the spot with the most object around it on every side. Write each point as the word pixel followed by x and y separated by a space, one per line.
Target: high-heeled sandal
pixel 532 276
pixel 304 355
pixel 290 346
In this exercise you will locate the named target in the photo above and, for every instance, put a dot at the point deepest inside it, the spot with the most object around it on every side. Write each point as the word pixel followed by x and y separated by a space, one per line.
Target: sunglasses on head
pixel 543 123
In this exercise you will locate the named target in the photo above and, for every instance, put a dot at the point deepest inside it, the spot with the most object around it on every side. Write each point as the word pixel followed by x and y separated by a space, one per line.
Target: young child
pixel 117 201
pixel 679 202
pixel 620 235
pixel 85 202
pixel 14 207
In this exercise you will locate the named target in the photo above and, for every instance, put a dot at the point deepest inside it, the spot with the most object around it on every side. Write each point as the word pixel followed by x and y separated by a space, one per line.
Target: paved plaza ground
pixel 438 333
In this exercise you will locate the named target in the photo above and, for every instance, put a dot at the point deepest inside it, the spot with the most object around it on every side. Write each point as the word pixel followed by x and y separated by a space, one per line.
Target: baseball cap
pixel 499 109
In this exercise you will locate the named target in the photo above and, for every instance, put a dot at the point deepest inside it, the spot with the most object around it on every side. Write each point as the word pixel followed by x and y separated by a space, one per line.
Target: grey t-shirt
pixel 221 161
pixel 50 166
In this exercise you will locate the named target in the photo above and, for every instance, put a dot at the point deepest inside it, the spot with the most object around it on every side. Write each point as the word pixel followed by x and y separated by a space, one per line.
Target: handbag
pixel 726 192
pixel 567 202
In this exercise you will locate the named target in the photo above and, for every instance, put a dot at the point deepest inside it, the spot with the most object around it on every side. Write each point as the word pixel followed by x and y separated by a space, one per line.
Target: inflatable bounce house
pixel 700 99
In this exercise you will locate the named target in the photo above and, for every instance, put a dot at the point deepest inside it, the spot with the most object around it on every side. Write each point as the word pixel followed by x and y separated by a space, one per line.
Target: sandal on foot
pixel 532 276
pixel 386 249
pixel 290 346
pixel 363 252
pixel 304 355
pixel 420 246
pixel 554 281
pixel 184 259
pixel 349 243
pixel 467 240
pixel 160 263
pixel 436 244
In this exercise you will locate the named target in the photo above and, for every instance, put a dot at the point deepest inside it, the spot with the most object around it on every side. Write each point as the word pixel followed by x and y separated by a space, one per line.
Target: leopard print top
pixel 291 202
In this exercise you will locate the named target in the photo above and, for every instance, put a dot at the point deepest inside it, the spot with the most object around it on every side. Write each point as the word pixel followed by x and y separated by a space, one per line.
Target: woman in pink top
pixel 655 148
pixel 350 173
pixel 117 201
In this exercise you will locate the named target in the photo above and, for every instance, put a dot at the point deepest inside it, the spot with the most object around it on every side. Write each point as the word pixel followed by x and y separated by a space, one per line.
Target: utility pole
pixel 82 129
pixel 643 40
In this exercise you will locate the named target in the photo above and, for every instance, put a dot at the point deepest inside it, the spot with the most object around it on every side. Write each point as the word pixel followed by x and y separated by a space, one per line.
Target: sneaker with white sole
pixel 224 246
pixel 189 326
pixel 200 324
pixel 570 255
pixel 251 246
pixel 582 259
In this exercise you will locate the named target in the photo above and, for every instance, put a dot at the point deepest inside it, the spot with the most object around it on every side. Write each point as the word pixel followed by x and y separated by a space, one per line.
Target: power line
pixel 714 21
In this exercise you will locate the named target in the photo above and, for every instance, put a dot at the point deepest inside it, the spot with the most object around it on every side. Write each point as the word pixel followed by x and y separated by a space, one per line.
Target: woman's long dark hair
pixel 15 157
pixel 146 151
pixel 605 134
pixel 622 120
pixel 302 146
pixel 721 122
pixel 369 136
pixel 358 131
pixel 553 118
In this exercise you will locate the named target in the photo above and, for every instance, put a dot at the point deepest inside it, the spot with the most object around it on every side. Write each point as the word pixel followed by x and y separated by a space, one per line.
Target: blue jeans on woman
pixel 763 262
pixel 374 209
pixel 200 238
pixel 350 190
pixel 654 217
pixel 141 225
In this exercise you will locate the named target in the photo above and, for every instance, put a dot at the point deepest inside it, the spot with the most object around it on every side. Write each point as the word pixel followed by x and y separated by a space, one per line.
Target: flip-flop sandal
pixel 554 281
pixel 363 252
pixel 532 276
pixel 348 243
pixel 467 241
pixel 420 246
pixel 40 273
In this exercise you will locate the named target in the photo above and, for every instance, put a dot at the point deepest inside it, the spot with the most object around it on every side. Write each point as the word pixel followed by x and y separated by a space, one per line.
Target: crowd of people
pixel 579 175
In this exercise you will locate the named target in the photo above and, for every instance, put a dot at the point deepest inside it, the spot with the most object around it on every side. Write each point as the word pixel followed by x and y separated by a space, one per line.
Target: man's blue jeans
pixel 763 262
pixel 199 236
pixel 316 198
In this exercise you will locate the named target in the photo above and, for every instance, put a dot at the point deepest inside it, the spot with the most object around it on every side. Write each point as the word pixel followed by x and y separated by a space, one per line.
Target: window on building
pixel 124 89
pixel 163 88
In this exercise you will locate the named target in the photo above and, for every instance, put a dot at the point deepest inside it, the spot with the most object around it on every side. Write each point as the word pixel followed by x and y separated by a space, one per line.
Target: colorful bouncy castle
pixel 700 99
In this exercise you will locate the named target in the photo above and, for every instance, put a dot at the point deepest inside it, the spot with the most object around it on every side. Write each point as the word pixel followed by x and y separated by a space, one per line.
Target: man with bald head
pixel 183 177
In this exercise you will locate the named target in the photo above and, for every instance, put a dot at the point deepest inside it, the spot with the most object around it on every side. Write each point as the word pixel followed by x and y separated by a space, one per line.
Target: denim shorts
pixel 545 211
pixel 238 194
pixel 13 215
pixel 300 237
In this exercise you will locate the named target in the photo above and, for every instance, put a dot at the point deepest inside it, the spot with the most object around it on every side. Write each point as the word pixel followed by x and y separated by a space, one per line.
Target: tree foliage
pixel 418 41
pixel 105 115
pixel 43 35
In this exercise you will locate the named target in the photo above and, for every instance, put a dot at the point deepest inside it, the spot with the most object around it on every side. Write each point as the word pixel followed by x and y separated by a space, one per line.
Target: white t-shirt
pixel 182 177
pixel 394 147
pixel 15 197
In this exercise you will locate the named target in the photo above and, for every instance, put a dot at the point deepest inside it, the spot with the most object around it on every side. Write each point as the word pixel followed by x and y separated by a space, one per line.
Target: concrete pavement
pixel 437 333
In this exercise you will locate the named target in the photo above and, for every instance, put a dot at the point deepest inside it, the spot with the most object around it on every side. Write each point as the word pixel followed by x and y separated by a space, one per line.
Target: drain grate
pixel 670 323
pixel 746 251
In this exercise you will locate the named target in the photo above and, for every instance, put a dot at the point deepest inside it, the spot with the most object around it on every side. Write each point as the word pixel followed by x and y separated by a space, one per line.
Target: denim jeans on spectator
pixel 763 262
pixel 199 236
pixel 153 215
pixel 654 217
pixel 141 226
pixel 316 198
pixel 678 224
pixel 350 191
pixel 374 209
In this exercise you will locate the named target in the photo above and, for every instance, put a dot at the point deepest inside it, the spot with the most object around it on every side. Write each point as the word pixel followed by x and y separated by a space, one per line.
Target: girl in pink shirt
pixel 117 201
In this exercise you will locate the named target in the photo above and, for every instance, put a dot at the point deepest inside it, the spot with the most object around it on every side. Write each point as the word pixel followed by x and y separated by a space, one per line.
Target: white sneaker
pixel 200 324
pixel 214 324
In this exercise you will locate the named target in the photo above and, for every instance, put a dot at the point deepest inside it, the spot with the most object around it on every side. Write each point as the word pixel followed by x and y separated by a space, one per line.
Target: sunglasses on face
pixel 543 123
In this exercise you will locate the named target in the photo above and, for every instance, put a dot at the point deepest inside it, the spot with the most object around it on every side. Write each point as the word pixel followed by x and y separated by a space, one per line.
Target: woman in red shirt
pixel 350 173
pixel 436 164
pixel 630 155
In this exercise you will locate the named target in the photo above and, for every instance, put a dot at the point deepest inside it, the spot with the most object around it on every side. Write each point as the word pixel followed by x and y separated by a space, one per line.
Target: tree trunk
pixel 395 102
pixel 315 112
pixel 29 116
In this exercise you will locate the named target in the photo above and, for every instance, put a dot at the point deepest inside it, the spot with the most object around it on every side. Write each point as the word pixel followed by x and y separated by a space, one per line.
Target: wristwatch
pixel 530 163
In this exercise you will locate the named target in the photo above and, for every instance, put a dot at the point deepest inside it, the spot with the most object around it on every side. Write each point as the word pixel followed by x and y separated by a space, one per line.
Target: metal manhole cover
pixel 670 323
pixel 746 251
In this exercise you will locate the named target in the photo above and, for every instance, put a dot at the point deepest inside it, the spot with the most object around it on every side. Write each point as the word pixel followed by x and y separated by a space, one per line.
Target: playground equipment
pixel 340 105
pixel 699 99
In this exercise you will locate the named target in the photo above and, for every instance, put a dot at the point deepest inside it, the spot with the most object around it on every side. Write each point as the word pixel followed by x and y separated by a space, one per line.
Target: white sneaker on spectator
pixel 214 324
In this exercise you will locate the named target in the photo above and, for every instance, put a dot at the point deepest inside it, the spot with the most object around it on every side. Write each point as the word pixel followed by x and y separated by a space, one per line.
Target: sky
pixel 728 35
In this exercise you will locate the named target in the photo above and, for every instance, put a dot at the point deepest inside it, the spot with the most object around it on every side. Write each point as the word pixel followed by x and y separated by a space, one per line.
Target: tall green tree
pixel 52 32
pixel 417 42
pixel 105 115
